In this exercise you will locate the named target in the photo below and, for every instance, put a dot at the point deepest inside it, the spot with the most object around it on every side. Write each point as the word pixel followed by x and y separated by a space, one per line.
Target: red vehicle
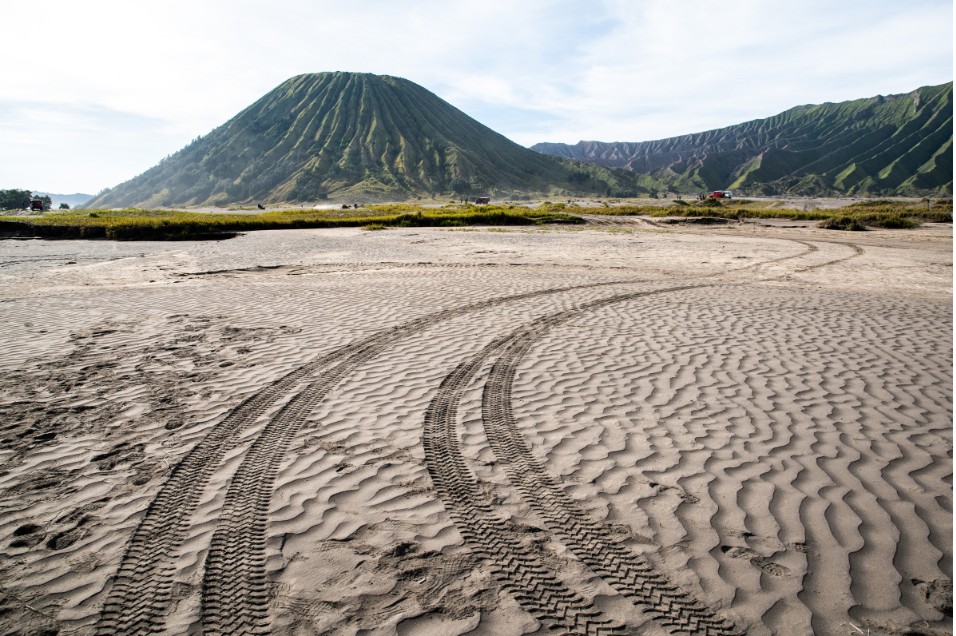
pixel 721 194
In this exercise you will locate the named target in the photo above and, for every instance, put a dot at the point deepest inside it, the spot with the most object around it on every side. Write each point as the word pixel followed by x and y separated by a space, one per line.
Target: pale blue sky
pixel 96 92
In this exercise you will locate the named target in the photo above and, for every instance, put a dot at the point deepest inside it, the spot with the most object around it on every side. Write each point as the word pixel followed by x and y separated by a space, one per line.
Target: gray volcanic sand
pixel 608 429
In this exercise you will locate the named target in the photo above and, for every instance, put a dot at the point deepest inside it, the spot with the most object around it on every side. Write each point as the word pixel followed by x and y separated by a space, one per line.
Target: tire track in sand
pixel 628 573
pixel 142 587
pixel 857 251
pixel 235 595
pixel 460 492
pixel 591 542
pixel 537 588
pixel 235 590
pixel 143 583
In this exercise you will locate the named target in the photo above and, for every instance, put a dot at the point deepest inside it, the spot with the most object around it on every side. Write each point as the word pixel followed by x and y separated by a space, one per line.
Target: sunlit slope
pixel 894 145
pixel 356 135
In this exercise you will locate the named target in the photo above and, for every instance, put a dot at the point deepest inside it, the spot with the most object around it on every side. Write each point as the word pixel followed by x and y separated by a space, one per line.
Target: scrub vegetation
pixel 874 213
pixel 141 224
pixel 138 224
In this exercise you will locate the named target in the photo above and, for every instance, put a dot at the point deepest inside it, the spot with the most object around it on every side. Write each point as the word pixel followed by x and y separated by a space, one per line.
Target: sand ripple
pixel 718 426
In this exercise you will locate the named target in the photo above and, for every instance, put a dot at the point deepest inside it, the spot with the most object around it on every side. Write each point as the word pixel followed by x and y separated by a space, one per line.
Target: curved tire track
pixel 537 588
pixel 142 587
pixel 234 589
pixel 631 575
pixel 459 491
pixel 857 251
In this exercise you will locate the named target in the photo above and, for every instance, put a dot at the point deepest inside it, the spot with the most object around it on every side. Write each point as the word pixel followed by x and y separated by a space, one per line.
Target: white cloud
pixel 538 70
pixel 683 67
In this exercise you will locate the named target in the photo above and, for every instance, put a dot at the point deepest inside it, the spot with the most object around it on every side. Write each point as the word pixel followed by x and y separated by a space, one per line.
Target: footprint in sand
pixel 938 594
pixel 765 564
pixel 28 535
pixel 683 494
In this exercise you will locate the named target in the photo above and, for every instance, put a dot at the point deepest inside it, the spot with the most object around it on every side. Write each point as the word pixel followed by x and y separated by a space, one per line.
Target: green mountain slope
pixel 360 137
pixel 894 145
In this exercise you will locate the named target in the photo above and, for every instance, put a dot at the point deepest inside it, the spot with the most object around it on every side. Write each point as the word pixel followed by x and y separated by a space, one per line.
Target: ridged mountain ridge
pixel 358 135
pixel 884 145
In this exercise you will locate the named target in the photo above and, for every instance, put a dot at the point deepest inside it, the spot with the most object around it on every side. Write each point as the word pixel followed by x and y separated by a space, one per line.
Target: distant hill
pixel 73 200
pixel 360 137
pixel 893 145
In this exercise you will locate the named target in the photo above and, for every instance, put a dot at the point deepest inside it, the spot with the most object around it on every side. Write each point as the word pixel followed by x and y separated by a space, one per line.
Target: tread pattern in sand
pixel 146 564
pixel 535 586
pixel 283 410
pixel 844 394
pixel 631 575
pixel 590 541
pixel 235 593
pixel 142 587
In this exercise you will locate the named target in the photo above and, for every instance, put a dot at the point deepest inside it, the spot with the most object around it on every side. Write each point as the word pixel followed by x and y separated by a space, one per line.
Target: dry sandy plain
pixel 620 428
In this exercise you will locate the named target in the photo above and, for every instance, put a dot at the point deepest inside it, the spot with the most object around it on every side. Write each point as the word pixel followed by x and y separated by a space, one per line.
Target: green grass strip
pixel 137 224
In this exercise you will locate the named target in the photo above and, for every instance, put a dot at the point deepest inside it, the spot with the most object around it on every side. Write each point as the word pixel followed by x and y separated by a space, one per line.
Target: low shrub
pixel 872 203
pixel 845 223
pixel 893 222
